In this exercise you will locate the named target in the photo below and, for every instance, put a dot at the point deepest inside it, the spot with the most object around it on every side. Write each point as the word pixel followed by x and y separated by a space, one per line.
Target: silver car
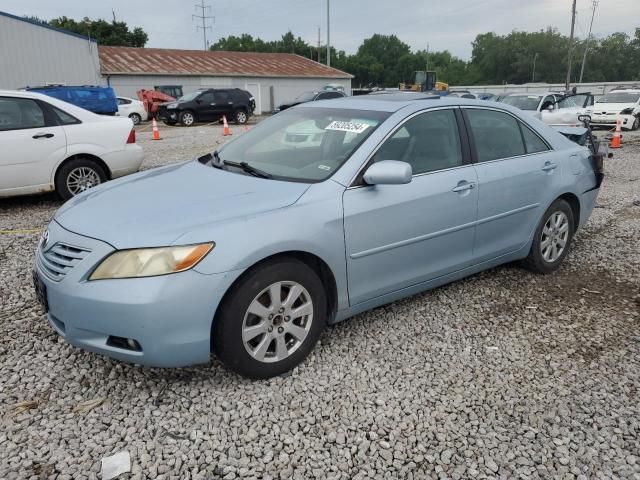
pixel 251 251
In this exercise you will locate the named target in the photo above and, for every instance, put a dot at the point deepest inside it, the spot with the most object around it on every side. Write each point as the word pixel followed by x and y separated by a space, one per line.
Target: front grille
pixel 58 260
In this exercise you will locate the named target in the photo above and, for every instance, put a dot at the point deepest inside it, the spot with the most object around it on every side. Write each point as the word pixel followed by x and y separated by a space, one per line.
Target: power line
pixel 202 7
pixel 586 46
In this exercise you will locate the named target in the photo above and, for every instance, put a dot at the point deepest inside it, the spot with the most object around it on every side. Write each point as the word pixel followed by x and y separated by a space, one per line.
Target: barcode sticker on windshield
pixel 347 126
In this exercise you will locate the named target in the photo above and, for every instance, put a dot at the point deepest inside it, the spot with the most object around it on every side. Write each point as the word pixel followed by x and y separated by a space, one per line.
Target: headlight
pixel 149 262
pixel 627 111
pixel 172 105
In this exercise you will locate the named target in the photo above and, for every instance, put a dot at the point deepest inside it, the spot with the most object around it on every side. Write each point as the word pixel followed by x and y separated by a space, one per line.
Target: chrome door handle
pixel 549 166
pixel 464 186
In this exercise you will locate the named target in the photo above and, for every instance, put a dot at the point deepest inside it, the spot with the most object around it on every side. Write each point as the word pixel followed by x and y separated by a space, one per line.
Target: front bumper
pixel 169 115
pixel 170 316
pixel 610 120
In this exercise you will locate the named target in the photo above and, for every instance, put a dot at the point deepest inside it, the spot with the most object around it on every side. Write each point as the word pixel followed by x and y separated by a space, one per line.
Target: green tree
pixel 106 33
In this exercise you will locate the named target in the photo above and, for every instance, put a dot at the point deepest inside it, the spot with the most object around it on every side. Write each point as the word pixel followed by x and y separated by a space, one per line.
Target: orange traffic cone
pixel 156 132
pixel 226 131
pixel 615 141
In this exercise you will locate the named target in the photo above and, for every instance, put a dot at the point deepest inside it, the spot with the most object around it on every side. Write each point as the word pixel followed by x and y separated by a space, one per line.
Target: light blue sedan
pixel 250 251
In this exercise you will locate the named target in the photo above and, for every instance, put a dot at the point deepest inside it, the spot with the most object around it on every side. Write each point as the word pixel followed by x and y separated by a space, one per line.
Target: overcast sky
pixel 448 24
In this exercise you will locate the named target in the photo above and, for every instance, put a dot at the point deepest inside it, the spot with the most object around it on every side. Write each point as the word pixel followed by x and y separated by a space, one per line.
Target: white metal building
pixel 272 78
pixel 34 54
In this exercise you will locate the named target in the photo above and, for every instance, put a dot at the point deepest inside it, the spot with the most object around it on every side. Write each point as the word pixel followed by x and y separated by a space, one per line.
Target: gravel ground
pixel 503 375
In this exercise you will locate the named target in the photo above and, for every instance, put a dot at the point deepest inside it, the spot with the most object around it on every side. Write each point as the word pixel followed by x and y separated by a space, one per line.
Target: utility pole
pixel 533 75
pixel 573 25
pixel 328 36
pixel 203 8
pixel 318 43
pixel 586 47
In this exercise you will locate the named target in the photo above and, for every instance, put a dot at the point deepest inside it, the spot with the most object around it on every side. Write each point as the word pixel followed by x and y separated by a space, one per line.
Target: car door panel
pixel 397 236
pixel 32 145
pixel 512 191
pixel 400 235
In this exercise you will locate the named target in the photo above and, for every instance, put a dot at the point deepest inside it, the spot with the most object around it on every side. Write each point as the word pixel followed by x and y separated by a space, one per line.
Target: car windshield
pixel 189 96
pixel 523 102
pixel 304 144
pixel 574 101
pixel 305 97
pixel 620 97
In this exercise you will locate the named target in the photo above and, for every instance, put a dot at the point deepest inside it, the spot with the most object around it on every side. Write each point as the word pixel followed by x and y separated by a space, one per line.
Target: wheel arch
pixel 87 156
pixel 574 202
pixel 313 261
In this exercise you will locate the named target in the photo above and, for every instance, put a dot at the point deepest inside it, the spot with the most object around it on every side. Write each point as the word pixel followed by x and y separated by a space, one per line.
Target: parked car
pixel 100 100
pixel 132 108
pixel 311 97
pixel 567 110
pixel 57 146
pixel 207 105
pixel 532 102
pixel 622 103
pixel 252 250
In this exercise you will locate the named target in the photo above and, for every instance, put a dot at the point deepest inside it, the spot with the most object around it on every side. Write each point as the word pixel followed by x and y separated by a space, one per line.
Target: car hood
pixel 156 207
pixel 613 108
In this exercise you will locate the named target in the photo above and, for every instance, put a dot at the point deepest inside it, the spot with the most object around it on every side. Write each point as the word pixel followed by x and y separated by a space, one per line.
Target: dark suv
pixel 209 105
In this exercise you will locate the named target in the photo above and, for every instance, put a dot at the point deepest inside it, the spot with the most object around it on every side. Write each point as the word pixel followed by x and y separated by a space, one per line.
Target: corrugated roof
pixel 160 61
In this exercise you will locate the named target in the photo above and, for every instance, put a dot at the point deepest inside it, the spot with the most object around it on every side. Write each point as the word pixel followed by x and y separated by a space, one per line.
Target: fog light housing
pixel 124 343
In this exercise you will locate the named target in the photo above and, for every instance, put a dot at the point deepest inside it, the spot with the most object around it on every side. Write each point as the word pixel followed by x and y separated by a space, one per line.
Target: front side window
pixel 429 142
pixel 207 98
pixel 20 113
pixel 304 144
pixel 496 134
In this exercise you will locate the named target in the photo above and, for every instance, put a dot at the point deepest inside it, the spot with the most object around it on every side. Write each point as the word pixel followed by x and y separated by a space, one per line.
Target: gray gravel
pixel 502 375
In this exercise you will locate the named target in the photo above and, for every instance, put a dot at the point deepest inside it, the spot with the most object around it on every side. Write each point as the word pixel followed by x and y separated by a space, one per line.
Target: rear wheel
pixel 272 320
pixel 187 118
pixel 552 238
pixel 135 118
pixel 78 175
pixel 636 123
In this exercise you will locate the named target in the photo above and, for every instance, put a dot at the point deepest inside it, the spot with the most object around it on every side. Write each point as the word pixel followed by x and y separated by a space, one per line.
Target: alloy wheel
pixel 555 234
pixel 187 118
pixel 241 117
pixel 81 179
pixel 277 321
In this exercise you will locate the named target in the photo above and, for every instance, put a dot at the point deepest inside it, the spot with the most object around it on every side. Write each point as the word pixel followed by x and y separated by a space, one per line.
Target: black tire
pixel 171 123
pixel 535 261
pixel 187 118
pixel 241 117
pixel 636 123
pixel 135 118
pixel 63 181
pixel 227 342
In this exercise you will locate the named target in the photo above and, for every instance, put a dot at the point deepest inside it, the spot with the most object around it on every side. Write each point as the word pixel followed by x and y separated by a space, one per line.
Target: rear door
pixel 32 143
pixel 516 174
pixel 208 107
pixel 397 236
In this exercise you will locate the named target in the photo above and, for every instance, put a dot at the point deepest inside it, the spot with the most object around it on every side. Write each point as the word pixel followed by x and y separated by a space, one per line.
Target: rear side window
pixel 20 113
pixel 496 134
pixel 532 142
pixel 63 117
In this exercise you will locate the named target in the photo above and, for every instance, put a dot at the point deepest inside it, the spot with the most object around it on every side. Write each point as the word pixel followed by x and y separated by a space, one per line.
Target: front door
pixel 207 107
pixel 32 144
pixel 397 236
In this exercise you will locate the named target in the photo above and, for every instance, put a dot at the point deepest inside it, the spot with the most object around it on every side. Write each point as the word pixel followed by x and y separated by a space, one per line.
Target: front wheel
pixel 241 117
pixel 552 238
pixel 272 319
pixel 187 118
pixel 78 175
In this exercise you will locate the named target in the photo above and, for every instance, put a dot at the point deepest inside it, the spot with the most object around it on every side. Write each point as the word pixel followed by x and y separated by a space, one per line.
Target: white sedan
pixel 49 145
pixel 132 108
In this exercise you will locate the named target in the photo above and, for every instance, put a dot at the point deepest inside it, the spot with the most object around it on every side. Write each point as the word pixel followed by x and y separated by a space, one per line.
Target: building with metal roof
pixel 272 78
pixel 33 53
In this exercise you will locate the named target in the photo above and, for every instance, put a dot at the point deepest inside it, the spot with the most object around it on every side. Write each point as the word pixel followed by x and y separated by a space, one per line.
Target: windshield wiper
pixel 244 166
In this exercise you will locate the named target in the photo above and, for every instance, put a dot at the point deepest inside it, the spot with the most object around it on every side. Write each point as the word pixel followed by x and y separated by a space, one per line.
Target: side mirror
pixel 584 118
pixel 388 172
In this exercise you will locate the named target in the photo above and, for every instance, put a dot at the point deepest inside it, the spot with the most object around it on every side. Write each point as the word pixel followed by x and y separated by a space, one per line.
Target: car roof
pixel 392 102
pixel 77 112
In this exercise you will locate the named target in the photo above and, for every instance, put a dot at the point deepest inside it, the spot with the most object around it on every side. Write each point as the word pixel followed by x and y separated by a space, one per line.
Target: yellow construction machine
pixel 424 81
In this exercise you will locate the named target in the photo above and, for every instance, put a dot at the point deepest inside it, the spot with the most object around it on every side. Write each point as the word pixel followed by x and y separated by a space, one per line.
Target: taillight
pixel 132 136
